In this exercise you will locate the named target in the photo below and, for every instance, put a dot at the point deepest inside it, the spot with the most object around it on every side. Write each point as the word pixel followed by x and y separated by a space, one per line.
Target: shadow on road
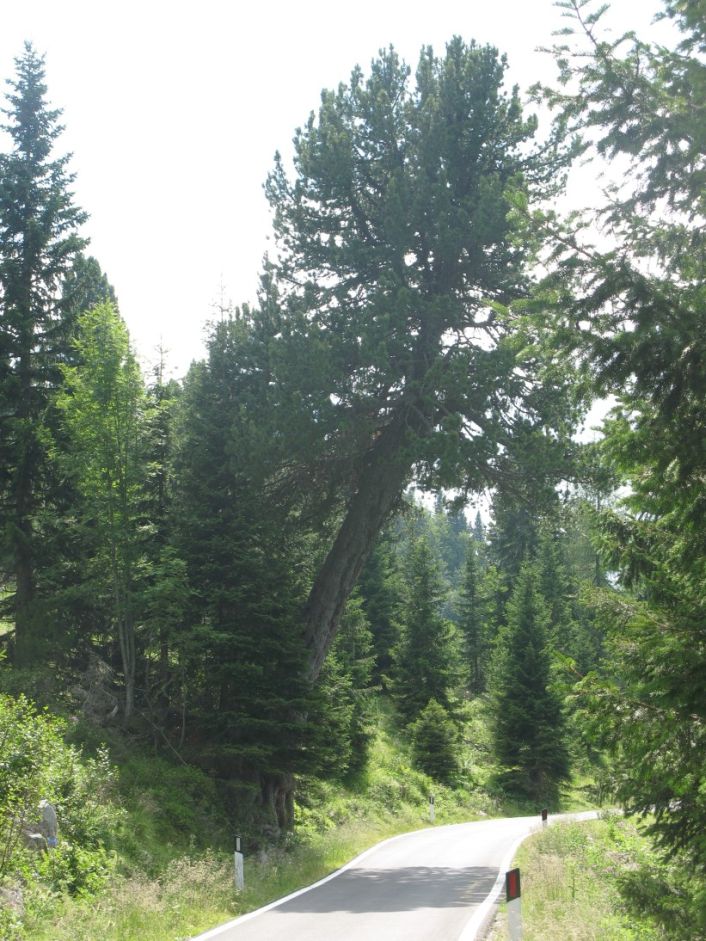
pixel 396 890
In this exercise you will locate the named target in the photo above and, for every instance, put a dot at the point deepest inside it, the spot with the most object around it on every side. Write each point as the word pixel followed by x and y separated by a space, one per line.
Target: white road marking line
pixel 215 932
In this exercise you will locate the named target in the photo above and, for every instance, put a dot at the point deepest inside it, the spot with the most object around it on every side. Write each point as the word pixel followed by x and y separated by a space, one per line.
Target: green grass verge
pixel 172 871
pixel 570 883
pixel 162 889
pixel 196 892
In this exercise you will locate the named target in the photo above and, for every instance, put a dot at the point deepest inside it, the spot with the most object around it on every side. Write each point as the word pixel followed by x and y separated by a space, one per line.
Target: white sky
pixel 173 112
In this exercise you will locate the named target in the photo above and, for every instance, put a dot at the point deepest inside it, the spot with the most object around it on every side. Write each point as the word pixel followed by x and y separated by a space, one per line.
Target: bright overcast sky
pixel 173 112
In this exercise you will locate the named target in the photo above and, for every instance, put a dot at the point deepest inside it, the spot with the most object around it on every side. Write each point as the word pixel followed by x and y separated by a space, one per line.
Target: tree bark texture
pixel 385 472
pixel 278 796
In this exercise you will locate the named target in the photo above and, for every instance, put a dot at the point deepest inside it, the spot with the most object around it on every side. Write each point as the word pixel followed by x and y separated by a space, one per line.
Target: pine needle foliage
pixel 529 735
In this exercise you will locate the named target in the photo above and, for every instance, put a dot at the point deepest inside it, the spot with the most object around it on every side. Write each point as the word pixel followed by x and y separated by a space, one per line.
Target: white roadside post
pixel 239 869
pixel 545 817
pixel 514 904
pixel 432 810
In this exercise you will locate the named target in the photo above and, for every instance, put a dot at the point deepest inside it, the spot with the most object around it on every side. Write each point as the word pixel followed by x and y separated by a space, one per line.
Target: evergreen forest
pixel 365 530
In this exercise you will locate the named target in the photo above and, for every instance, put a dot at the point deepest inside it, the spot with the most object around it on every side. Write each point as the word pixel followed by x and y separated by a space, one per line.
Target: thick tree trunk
pixel 278 795
pixel 382 480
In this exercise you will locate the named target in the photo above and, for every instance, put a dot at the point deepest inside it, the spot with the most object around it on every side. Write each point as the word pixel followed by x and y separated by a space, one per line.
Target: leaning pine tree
pixel 391 352
pixel 529 735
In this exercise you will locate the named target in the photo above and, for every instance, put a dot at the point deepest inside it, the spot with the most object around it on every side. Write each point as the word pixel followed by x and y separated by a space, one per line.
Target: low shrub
pixel 36 764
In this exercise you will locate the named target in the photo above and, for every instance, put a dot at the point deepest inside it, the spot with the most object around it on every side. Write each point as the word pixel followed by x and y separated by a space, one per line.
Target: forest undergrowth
pixel 148 857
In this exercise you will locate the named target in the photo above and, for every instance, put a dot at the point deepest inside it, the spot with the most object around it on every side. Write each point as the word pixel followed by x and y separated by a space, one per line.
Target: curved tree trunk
pixel 385 473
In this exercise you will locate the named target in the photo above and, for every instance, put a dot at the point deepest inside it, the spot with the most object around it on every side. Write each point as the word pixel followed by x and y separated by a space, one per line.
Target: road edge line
pixel 480 919
pixel 214 932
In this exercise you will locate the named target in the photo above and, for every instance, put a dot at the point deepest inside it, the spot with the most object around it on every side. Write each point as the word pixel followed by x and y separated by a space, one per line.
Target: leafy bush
pixel 668 892
pixel 36 764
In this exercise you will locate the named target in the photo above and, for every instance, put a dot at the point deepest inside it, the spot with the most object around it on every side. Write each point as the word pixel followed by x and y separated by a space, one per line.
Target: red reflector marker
pixel 512 885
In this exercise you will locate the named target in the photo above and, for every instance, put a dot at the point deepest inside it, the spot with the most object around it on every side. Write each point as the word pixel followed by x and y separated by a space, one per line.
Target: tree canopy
pixel 392 350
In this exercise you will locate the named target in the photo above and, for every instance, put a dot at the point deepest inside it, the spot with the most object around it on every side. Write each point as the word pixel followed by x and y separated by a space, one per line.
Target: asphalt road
pixel 432 885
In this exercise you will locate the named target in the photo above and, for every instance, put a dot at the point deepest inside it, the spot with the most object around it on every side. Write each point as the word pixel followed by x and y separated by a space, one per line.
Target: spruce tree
pixel 38 240
pixel 451 532
pixel 85 285
pixel 381 592
pixel 426 661
pixel 434 743
pixel 478 530
pixel 529 736
pixel 493 594
pixel 570 630
pixel 344 697
pixel 166 607
pixel 471 623
pixel 514 533
pixel 246 563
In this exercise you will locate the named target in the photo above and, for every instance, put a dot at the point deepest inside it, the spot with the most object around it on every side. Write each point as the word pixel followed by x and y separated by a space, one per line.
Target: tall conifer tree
pixel 472 624
pixel 38 240
pixel 528 722
pixel 426 661
pixel 246 565
pixel 381 594
pixel 392 353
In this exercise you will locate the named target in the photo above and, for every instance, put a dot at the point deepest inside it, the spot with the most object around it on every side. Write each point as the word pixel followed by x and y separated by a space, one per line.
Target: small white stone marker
pixel 239 868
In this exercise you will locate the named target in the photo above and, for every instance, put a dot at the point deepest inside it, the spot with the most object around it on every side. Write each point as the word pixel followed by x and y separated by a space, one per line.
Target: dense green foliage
pixel 38 240
pixel 529 725
pixel 36 764
pixel 640 304
pixel 235 568
pixel 434 743
pixel 103 405
pixel 426 660
pixel 473 624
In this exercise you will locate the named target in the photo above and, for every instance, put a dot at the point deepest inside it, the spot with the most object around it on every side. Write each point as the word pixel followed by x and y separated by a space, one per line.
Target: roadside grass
pixel 195 893
pixel 172 867
pixel 570 883
pixel 192 895
pixel 162 889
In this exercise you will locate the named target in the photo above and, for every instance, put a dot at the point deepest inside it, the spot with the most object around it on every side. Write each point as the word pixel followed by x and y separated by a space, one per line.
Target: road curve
pixel 437 884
